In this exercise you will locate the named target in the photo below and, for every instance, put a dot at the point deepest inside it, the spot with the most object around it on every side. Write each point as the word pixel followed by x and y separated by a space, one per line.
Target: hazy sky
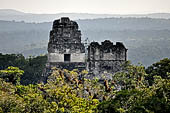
pixel 88 6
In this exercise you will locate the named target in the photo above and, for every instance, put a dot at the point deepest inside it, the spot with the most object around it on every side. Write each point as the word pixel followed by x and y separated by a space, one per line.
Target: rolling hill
pixel 10 15
pixel 147 39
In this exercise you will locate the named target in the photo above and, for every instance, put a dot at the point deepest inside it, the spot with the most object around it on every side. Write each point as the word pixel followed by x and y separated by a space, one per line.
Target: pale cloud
pixel 88 6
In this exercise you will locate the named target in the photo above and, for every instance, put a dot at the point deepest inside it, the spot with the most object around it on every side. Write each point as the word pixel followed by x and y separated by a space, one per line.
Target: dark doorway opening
pixel 67 57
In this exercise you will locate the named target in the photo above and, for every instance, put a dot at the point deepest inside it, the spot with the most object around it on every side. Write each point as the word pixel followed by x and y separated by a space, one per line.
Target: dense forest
pixel 146 39
pixel 142 86
pixel 32 66
pixel 135 89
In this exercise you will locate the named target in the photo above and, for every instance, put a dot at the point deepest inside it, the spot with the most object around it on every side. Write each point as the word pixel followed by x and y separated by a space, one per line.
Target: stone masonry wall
pixel 106 57
pixel 65 49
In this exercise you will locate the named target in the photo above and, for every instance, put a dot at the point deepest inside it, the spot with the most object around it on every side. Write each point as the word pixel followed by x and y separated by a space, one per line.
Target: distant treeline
pixel 146 39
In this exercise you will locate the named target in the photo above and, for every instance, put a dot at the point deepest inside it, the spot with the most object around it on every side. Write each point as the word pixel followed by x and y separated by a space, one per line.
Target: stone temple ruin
pixel 105 57
pixel 66 51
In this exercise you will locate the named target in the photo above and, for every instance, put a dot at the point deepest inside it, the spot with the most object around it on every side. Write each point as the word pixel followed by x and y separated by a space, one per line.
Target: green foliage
pixel 136 96
pixel 131 77
pixel 71 91
pixel 11 74
pixel 161 68
pixel 59 94
pixel 33 70
pixel 9 101
pixel 32 66
pixel 16 60
pixel 65 89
